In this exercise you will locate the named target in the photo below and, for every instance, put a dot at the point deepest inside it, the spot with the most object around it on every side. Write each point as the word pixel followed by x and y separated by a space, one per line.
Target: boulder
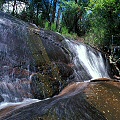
pixel 26 49
pixel 83 100
pixel 50 80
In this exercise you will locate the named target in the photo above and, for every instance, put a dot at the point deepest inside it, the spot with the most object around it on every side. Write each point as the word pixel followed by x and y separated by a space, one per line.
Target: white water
pixel 20 104
pixel 92 63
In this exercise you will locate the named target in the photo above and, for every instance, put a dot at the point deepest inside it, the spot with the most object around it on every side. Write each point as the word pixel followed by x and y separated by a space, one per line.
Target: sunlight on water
pixel 92 63
pixel 20 104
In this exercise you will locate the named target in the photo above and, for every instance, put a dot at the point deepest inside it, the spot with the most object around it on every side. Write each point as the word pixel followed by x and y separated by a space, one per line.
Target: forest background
pixel 94 22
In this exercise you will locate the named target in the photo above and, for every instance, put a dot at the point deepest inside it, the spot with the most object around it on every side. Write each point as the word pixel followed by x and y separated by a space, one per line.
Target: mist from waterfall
pixel 90 59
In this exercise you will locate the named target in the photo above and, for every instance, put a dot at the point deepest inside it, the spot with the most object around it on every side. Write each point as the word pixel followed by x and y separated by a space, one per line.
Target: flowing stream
pixel 90 59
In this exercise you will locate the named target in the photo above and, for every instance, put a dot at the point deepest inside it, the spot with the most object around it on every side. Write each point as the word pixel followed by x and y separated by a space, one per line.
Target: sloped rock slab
pixel 86 101
pixel 26 49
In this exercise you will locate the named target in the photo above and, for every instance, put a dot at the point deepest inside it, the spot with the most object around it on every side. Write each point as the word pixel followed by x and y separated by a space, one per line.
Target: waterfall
pixel 88 61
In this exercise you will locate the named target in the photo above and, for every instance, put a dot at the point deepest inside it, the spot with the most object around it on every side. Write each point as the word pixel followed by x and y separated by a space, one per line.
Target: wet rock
pixel 26 49
pixel 50 79
pixel 28 45
pixel 44 86
pixel 83 100
pixel 102 79
pixel 20 73
pixel 15 91
pixel 65 69
pixel 53 43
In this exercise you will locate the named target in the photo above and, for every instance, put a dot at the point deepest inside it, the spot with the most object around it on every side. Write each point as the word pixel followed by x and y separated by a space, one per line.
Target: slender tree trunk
pixel 31 7
pixel 14 7
pixel 58 18
pixel 75 1
pixel 8 5
pixel 50 15
pixel 54 10
pixel 37 14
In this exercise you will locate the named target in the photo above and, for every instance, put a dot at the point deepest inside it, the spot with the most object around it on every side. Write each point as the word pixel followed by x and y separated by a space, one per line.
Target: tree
pixel 104 20
pixel 54 10
pixel 14 7
pixel 71 15
pixel 1 4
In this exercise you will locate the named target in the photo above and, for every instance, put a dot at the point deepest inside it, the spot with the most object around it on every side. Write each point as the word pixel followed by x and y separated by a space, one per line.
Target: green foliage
pixel 1 3
pixel 50 27
pixel 67 34
pixel 71 16
pixel 97 20
pixel 64 30
pixel 104 21
pixel 53 27
pixel 46 25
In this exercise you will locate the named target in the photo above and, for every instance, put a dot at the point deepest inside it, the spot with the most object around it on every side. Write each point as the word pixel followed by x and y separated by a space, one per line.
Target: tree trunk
pixel 8 5
pixel 54 10
pixel 37 14
pixel 58 18
pixel 75 1
pixel 14 7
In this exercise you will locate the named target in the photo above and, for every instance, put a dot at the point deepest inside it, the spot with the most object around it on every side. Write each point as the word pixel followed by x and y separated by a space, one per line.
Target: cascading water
pixel 87 60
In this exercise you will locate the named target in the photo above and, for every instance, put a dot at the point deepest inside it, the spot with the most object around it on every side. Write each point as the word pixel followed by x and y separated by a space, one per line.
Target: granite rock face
pixel 26 50
pixel 86 101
